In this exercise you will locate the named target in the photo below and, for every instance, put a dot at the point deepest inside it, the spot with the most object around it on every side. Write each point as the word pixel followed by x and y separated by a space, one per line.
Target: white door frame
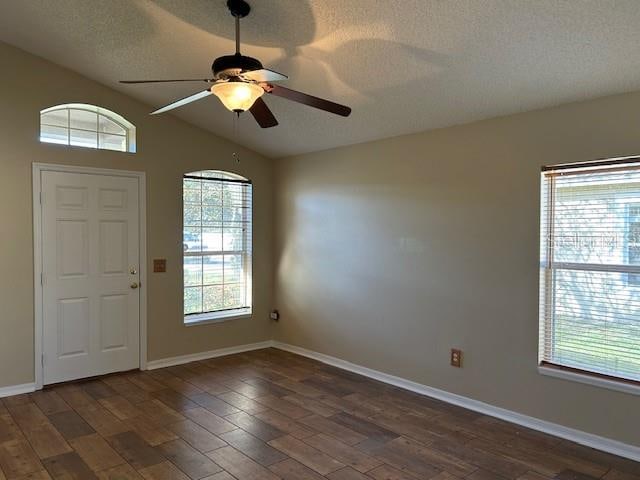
pixel 38 168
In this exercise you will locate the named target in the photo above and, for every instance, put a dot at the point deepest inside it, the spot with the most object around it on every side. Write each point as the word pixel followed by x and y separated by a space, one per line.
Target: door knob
pixel 134 285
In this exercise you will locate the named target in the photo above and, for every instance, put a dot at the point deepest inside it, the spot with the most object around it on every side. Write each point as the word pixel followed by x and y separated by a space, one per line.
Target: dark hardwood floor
pixel 269 415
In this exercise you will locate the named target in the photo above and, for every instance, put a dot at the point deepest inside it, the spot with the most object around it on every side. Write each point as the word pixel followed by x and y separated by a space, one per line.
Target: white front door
pixel 90 267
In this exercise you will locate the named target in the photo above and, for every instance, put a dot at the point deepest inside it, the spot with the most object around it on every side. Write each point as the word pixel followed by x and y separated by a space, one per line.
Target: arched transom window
pixel 217 245
pixel 87 126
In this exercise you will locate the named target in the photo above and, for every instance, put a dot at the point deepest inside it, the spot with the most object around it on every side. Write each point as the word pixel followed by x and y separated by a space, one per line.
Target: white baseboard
pixel 17 389
pixel 194 357
pixel 588 439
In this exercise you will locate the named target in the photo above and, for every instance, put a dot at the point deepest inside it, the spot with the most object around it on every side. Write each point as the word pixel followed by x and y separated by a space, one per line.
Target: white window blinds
pixel 590 269
pixel 217 244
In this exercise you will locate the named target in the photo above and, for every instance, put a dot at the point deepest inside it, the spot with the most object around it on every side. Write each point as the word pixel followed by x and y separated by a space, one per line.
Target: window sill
pixel 590 380
pixel 216 317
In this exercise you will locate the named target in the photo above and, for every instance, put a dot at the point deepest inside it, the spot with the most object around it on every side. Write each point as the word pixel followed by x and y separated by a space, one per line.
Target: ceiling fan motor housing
pixel 230 66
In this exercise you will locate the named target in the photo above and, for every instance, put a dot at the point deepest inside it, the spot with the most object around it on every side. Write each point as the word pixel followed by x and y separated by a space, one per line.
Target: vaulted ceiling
pixel 402 65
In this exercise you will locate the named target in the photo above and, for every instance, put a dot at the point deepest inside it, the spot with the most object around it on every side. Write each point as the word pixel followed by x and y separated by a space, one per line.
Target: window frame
pixel 215 316
pixel 546 368
pixel 119 120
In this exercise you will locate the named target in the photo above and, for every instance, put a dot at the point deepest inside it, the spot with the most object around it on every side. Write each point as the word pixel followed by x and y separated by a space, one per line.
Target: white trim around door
pixel 37 169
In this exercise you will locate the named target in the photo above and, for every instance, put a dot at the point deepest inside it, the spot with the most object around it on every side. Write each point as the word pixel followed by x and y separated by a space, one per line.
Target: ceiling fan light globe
pixel 237 96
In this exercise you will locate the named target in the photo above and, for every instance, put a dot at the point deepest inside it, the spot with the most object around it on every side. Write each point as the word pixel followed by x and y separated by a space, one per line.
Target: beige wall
pixel 390 253
pixel 167 148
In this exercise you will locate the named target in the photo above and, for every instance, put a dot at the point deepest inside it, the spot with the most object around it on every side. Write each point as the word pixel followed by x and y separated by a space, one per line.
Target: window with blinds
pixel 217 245
pixel 590 269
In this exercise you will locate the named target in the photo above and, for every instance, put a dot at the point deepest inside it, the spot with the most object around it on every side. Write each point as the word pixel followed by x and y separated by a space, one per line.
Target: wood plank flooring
pixel 269 415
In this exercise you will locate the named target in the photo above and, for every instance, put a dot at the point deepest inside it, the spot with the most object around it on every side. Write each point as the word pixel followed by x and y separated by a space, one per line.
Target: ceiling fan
pixel 239 82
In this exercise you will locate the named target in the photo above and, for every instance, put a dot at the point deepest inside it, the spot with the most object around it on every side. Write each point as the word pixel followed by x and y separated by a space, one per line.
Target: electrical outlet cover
pixel 456 357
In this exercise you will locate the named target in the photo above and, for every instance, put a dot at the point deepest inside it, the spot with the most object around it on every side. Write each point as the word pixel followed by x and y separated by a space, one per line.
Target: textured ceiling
pixel 402 65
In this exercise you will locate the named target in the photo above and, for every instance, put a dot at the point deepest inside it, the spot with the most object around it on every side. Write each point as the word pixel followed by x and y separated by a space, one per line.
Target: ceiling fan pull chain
pixel 236 119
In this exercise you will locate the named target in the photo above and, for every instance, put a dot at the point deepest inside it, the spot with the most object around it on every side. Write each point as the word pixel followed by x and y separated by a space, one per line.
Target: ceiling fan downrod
pixel 239 9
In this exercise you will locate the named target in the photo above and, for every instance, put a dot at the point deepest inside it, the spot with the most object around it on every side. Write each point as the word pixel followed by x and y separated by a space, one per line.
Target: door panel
pixel 113 316
pixel 72 198
pixel 73 327
pixel 113 199
pixel 73 248
pixel 90 245
pixel 113 247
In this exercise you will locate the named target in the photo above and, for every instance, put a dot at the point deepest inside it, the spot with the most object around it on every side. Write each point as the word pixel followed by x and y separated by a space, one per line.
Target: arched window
pixel 87 126
pixel 217 246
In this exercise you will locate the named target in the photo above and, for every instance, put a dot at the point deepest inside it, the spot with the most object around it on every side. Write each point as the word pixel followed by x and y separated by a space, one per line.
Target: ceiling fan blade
pixel 310 100
pixel 263 75
pixel 183 101
pixel 168 81
pixel 263 114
